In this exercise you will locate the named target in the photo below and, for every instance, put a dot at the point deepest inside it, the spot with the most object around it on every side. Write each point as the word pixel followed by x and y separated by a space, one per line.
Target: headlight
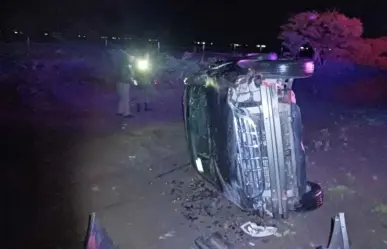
pixel 143 64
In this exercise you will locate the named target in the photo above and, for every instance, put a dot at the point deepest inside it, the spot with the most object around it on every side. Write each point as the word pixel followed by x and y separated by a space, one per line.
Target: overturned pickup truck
pixel 244 133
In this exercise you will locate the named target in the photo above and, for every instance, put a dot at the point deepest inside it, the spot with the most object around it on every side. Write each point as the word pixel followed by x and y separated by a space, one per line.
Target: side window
pixel 198 126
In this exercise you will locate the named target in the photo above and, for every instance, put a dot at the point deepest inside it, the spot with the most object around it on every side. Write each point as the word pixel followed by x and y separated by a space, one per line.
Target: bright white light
pixel 46 34
pixel 199 165
pixel 143 64
pixel 263 46
pixel 283 68
pixel 15 32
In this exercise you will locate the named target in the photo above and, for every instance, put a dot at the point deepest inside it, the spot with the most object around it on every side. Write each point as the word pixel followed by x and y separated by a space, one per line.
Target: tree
pixel 325 32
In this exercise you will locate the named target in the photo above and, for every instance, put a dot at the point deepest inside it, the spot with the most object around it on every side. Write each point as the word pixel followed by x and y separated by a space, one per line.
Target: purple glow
pixel 309 67
pixel 252 54
pixel 244 63
pixel 273 56
pixel 313 16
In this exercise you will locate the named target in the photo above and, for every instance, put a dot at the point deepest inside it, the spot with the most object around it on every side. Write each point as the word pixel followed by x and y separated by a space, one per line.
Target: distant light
pixel 273 56
pixel 261 46
pixel 212 43
pixel 309 67
pixel 15 32
pixel 143 64
pixel 114 38
pixel 302 48
pixel 46 34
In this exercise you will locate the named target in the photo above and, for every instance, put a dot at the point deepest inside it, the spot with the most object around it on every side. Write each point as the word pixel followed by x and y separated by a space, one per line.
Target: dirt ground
pixel 62 164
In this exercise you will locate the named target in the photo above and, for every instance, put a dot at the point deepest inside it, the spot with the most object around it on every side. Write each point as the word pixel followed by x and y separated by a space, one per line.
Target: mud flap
pixel 275 150
pixel 338 238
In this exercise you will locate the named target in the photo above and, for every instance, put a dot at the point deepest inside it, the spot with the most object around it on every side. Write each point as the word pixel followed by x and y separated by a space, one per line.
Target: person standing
pixel 146 88
pixel 123 63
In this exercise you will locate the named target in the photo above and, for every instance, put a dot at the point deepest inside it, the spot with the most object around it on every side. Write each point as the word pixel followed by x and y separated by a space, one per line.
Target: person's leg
pixel 147 93
pixel 146 102
pixel 126 100
pixel 120 107
pixel 141 94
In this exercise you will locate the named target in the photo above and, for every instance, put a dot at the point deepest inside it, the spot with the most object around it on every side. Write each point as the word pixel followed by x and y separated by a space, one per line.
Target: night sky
pixel 185 20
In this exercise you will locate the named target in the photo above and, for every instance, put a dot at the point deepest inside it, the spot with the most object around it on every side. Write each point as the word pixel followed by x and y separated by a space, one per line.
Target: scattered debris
pixel 173 170
pixel 168 235
pixel 380 208
pixel 340 189
pixel 95 188
pixel 254 230
pixel 350 177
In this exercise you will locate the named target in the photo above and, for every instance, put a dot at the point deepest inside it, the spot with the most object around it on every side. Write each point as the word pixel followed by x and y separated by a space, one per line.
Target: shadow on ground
pixel 40 208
